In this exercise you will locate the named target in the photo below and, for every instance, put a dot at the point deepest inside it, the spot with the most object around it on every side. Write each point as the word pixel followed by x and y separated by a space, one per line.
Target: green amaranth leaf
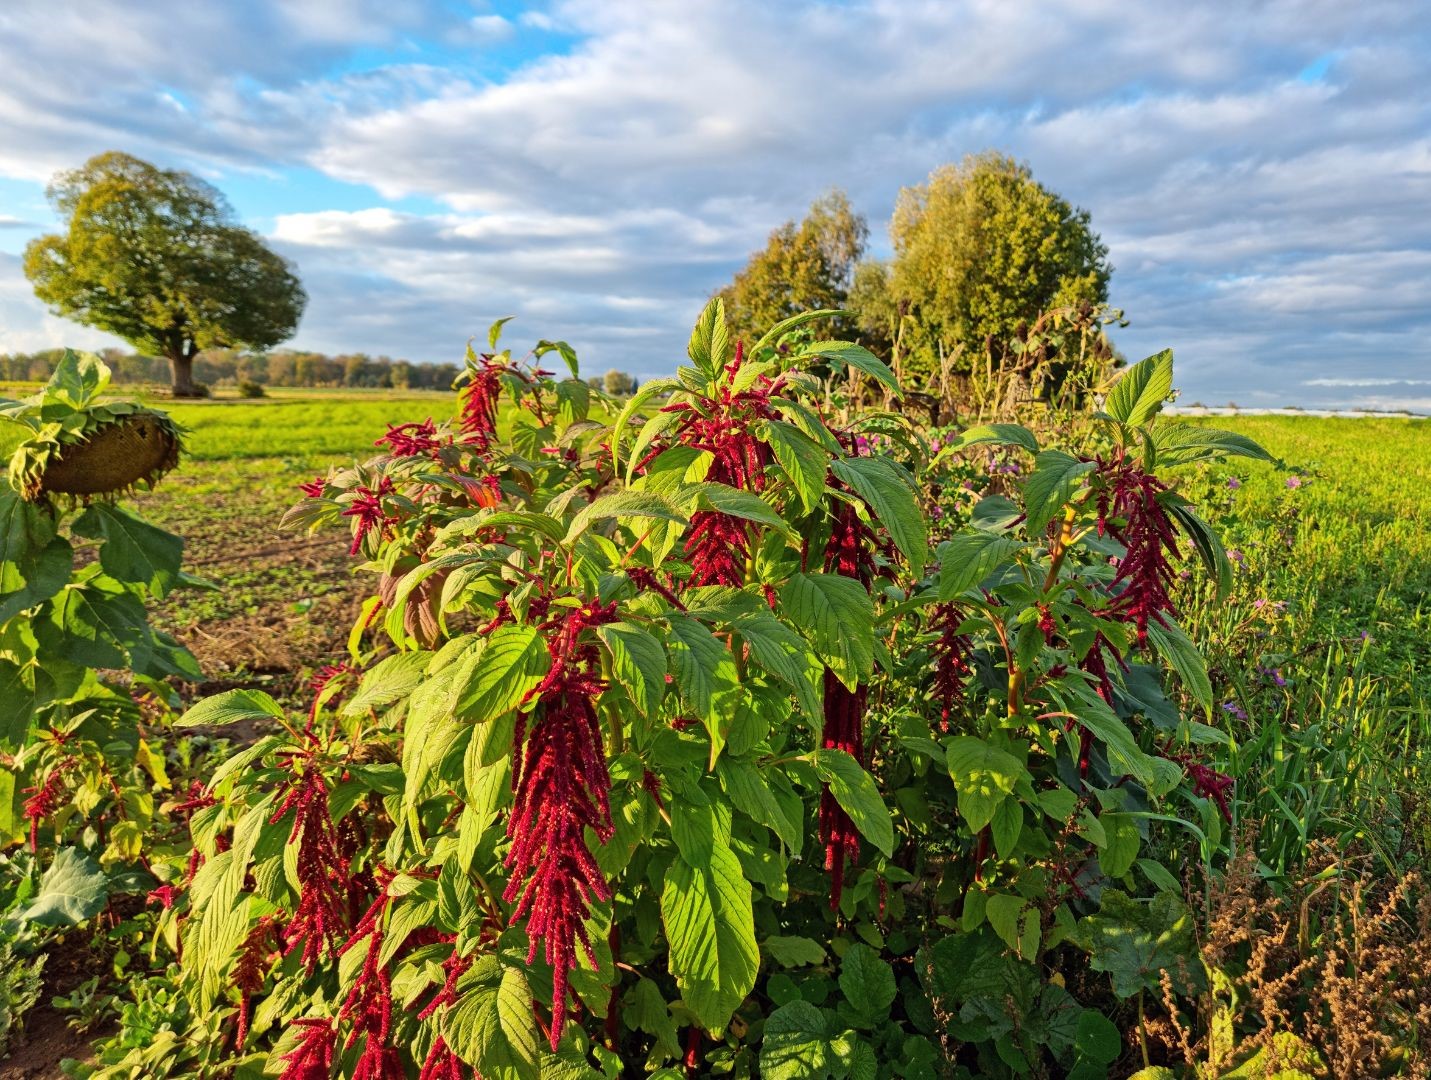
pixel 855 356
pixel 638 662
pixel 1002 434
pixel 711 930
pixel 514 662
pixel 1055 477
pixel 804 460
pixel 889 493
pixel 856 792
pixel 983 776
pixel 971 557
pixel 1139 394
pixel 837 615
pixel 229 708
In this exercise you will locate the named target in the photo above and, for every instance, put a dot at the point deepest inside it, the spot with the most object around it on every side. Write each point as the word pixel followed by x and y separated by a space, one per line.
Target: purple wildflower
pixel 1233 483
pixel 1294 481
pixel 1234 709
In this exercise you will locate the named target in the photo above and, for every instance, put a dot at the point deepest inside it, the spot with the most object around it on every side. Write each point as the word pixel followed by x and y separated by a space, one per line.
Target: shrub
pixel 247 388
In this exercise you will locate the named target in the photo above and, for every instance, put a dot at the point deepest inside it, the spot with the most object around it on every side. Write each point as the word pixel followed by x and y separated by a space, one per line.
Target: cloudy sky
pixel 1260 170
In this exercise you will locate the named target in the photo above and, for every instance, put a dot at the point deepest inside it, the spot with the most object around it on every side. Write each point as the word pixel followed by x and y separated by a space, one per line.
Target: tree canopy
pixel 980 250
pixel 802 267
pixel 155 256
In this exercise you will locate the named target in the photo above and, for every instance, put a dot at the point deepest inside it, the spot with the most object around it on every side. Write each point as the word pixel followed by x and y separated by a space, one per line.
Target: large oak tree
pixel 155 256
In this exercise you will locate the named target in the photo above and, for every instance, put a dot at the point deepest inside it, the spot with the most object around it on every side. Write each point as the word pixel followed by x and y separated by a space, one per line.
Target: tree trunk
pixel 181 362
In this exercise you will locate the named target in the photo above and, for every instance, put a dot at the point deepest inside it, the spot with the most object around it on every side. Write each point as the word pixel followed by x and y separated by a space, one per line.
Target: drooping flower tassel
pixel 953 663
pixel 561 788
pixel 844 715
pixel 369 1004
pixel 312 1058
pixel 850 554
pixel 478 418
pixel 1129 509
pixel 317 924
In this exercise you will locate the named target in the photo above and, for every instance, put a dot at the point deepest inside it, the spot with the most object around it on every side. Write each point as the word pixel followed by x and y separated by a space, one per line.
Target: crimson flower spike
pixel 312 1058
pixel 317 923
pixel 850 554
pixel 478 418
pixel 562 787
pixel 1145 572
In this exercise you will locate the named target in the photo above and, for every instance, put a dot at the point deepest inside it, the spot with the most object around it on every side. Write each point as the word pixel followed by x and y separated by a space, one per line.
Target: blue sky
pixel 1261 172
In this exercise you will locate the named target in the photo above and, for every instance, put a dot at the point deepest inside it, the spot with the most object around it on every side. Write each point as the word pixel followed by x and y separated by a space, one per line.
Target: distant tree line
pixel 229 367
pixel 281 367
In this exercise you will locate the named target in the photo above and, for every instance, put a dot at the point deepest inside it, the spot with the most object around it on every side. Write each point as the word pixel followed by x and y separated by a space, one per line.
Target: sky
pixel 1260 171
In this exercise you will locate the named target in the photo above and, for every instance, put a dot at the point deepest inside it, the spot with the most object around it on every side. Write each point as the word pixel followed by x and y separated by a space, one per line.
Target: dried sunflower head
pixel 83 450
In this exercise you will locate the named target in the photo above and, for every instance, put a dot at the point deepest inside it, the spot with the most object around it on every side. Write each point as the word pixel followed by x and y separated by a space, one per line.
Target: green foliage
pixel 153 256
pixel 803 267
pixel 20 988
pixel 982 248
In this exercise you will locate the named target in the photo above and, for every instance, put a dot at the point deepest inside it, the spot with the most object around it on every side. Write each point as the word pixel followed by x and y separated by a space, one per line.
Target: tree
pixel 981 249
pixel 616 383
pixel 802 267
pixel 154 256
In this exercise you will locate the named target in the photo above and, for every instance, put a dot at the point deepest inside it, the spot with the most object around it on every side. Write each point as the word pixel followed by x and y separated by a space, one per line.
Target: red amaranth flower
pixel 44 800
pixel 317 924
pixel 454 967
pixel 1207 782
pixel 367 511
pixel 953 655
pixel 250 971
pixel 369 1004
pixel 164 896
pixel 1129 508
pixel 563 788
pixel 849 554
pixel 312 1058
pixel 725 426
pixel 314 488
pixel 441 1063
pixel 412 440
pixel 478 418
pixel 321 680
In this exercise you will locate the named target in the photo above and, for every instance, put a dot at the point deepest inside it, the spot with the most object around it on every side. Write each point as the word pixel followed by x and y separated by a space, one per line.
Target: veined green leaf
pixel 971 557
pixel 983 776
pixel 624 504
pixel 230 707
pixel 855 791
pixel 889 493
pixel 837 615
pixel 855 356
pixel 711 930
pixel 1177 648
pixel 1002 434
pixel 1139 394
pixel 804 460
pixel 638 662
pixel 514 662
pixel 1055 477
